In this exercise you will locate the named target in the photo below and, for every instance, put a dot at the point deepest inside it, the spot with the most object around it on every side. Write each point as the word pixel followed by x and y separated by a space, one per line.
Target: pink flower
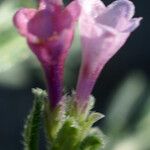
pixel 49 32
pixel 104 30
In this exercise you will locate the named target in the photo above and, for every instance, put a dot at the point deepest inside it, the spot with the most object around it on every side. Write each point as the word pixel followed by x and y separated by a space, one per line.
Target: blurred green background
pixel 122 90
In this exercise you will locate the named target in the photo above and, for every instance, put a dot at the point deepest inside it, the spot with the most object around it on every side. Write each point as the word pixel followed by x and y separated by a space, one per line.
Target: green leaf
pixel 32 125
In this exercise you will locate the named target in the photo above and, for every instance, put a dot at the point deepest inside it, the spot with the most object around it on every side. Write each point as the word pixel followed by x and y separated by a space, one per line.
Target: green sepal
pixel 68 128
pixel 68 136
pixel 33 121
pixel 93 117
pixel 53 120
pixel 93 140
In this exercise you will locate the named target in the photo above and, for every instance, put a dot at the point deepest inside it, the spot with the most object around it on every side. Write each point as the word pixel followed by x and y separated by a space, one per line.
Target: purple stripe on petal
pixel 54 74
pixel 41 24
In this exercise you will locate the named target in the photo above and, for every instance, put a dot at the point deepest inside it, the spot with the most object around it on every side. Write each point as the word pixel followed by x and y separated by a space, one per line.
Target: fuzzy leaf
pixel 32 125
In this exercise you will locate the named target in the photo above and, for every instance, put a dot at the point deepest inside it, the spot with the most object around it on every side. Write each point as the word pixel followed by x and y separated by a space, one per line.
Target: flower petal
pixel 117 14
pixel 99 43
pixel 66 18
pixel 21 19
pixel 101 38
pixel 74 9
pixel 99 51
pixel 133 24
pixel 41 24
pixel 92 7
pixel 52 55
pixel 49 3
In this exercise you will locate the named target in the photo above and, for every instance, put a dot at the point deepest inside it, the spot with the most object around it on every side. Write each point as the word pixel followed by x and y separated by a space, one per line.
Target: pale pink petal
pixel 92 7
pixel 102 46
pixel 133 24
pixel 97 44
pixel 117 14
pixel 97 51
pixel 101 38
pixel 21 19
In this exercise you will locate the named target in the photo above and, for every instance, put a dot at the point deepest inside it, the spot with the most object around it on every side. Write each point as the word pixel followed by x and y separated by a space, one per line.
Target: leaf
pixel 32 125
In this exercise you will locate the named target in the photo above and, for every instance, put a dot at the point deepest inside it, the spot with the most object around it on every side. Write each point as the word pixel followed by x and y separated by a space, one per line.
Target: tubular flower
pixel 49 32
pixel 104 30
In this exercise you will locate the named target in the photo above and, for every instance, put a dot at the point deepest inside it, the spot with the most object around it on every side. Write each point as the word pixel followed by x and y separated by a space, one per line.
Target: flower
pixel 49 32
pixel 104 30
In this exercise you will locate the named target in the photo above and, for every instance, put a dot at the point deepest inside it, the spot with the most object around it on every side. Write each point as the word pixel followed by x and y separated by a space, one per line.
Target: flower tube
pixel 104 30
pixel 49 32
